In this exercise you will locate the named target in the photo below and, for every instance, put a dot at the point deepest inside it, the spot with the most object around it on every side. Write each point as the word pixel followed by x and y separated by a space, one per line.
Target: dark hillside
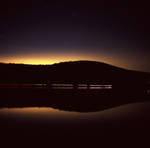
pixel 68 72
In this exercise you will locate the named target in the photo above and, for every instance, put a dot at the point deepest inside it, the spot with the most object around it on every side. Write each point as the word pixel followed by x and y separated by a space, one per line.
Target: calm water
pixel 50 114
pixel 47 123
pixel 47 114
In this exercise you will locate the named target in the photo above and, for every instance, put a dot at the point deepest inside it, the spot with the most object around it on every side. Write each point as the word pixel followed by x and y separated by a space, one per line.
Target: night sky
pixel 45 32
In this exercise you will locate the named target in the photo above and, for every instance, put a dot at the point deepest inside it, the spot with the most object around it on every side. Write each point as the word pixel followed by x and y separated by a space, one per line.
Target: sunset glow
pixel 52 58
pixel 48 34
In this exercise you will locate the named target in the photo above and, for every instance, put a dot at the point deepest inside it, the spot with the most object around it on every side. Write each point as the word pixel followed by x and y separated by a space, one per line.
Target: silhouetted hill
pixel 127 86
pixel 69 72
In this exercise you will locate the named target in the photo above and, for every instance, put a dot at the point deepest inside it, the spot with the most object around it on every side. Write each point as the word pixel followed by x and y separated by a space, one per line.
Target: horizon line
pixel 75 61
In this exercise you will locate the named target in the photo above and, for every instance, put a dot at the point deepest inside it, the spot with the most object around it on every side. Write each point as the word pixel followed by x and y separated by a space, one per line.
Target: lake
pixel 38 124
pixel 49 114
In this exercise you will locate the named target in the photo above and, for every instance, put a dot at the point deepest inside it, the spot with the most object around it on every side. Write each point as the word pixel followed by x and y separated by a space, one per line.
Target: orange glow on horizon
pixel 48 59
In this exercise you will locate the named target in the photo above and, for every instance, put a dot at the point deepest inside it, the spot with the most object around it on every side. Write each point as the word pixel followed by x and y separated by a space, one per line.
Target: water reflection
pixel 44 122
pixel 41 112
pixel 47 114
pixel 51 113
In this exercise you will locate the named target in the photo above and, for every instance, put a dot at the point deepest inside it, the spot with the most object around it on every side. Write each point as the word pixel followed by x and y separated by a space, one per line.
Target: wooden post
pixel 20 85
pixel 49 85
pixel 75 86
pixel 148 88
pixel 88 86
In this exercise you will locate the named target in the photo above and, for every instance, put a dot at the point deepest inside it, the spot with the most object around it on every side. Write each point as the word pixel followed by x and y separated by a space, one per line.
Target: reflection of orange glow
pixel 50 113
pixel 29 109
pixel 34 111
pixel 40 112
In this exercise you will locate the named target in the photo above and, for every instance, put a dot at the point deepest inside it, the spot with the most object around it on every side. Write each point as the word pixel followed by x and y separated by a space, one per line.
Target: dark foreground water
pixel 124 124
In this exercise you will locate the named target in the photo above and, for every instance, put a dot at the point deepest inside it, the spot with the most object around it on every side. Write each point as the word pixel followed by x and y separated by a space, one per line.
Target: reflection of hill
pixel 69 100
pixel 124 124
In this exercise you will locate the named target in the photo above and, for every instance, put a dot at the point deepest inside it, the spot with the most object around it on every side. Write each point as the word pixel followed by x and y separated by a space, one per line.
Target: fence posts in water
pixel 148 88
pixel 75 86
pixel 49 85
pixel 88 86
pixel 19 85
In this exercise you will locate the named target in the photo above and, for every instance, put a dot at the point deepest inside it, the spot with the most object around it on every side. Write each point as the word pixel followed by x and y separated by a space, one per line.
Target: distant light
pixel 62 84
pixel 82 85
pixel 148 91
pixel 63 87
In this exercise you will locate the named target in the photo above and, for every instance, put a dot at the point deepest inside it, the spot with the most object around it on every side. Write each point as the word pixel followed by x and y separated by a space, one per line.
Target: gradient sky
pixel 42 32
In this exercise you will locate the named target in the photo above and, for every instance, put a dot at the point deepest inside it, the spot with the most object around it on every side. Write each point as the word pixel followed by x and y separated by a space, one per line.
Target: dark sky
pixel 44 32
